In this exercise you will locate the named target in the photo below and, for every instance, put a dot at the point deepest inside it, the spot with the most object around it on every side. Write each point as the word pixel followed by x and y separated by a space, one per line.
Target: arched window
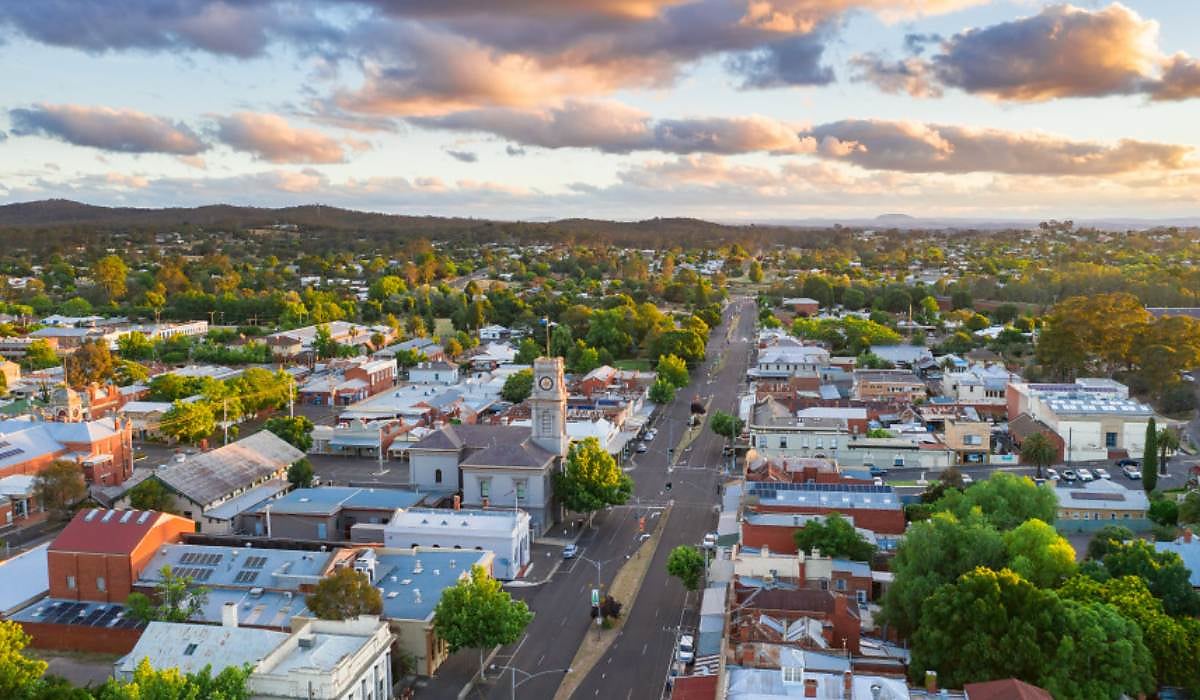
pixel 437 476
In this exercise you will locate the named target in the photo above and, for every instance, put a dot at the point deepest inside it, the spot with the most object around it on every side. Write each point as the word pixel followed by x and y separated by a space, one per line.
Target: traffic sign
pixel 595 596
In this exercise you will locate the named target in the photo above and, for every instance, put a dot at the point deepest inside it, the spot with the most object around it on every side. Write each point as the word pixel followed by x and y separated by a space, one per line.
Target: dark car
pixel 1128 463
pixel 878 471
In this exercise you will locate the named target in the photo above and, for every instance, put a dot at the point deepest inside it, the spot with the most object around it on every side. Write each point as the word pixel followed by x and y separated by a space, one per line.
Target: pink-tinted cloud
pixel 270 138
pixel 120 130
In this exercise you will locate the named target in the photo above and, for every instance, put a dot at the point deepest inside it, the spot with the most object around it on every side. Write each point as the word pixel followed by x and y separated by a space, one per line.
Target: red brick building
pixel 102 552
pixel 796 617
pixel 874 508
pixel 102 448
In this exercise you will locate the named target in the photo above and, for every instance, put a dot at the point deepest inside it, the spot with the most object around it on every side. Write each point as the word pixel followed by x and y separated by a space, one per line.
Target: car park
pixel 1101 473
pixel 1052 474
pixel 1085 475
pixel 570 551
pixel 1069 475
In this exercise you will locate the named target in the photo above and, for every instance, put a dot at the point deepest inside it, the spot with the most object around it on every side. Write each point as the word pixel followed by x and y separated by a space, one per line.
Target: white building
pixel 979 383
pixel 320 659
pixel 1094 417
pixel 438 372
pixel 503 532
pixel 787 360
pixel 493 332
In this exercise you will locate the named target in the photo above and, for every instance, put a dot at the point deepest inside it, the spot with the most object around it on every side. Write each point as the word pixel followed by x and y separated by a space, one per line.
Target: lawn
pixel 640 365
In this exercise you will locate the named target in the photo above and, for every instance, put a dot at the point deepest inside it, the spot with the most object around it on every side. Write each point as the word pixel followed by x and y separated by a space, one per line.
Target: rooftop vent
pixel 143 518
pixel 126 516
pixel 91 515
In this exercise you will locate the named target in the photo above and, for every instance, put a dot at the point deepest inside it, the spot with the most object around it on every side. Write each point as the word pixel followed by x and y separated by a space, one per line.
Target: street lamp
pixel 530 676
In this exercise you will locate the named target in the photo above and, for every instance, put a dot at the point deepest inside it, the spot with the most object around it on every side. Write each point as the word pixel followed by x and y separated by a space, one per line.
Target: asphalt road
pixel 561 605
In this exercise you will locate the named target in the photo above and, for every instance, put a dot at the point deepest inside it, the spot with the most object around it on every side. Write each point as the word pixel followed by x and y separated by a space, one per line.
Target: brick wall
pixel 887 522
pixel 100 640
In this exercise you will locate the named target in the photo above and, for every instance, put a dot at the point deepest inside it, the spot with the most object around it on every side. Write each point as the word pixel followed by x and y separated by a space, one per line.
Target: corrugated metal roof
pixel 209 476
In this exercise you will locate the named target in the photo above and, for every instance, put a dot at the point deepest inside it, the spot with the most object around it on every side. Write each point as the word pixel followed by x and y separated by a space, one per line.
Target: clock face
pixel 546 383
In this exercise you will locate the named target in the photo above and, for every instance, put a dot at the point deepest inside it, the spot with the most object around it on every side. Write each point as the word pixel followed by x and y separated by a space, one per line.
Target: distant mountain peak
pixel 895 217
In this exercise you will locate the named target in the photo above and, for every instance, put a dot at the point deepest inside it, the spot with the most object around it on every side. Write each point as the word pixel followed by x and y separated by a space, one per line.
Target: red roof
pixel 103 531
pixel 694 688
pixel 1007 689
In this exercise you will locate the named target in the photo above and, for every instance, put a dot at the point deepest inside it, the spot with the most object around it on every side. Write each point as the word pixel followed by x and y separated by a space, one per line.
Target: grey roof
pixel 506 454
pixel 1189 552
pixel 258 495
pixel 328 500
pixel 209 476
pixel 1101 494
pixel 412 583
pixel 472 436
pixel 216 566
pixel 864 496
pixel 191 647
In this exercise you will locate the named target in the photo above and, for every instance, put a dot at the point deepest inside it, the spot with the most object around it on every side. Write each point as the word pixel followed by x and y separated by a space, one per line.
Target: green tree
pixel 39 355
pixel 686 564
pixel 76 306
pixel 300 474
pixel 662 392
pixel 518 386
pixel 1164 572
pixel 673 370
pixel 296 431
pixel 561 341
pixel 477 613
pixel 1107 539
pixel 110 273
pixel 188 422
pixel 151 494
pixel 408 358
pixel 1164 511
pixel 1150 457
pixel 1039 554
pixel 344 595
pixel 756 271
pixel 18 673
pixel 91 362
pixel 323 345
pixel 1189 510
pixel 1167 442
pixel 149 683
pixel 936 552
pixel 175 599
pixel 1005 499
pixel 582 359
pixel 835 537
pixel 59 486
pixel 1038 450
pixel 129 372
pixel 991 624
pixel 527 352
pixel 135 346
pixel 591 479
pixel 726 425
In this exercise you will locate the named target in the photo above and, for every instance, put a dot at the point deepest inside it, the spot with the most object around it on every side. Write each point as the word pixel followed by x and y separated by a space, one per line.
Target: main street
pixel 636 664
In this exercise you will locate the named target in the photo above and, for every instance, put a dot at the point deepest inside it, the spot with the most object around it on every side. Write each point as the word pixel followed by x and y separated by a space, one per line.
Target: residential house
pixel 493 332
pixel 1086 507
pixel 19 505
pixel 434 372
pixel 802 306
pixel 888 385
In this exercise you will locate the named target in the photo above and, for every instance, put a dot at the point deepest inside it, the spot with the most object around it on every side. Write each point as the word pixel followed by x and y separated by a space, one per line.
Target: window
pixel 71 582
pixel 100 584
pixel 824 584
pixel 189 650
pixel 485 488
pixel 1110 440
pixel 841 584
pixel 861 596
pixel 437 476
pixel 521 485
pixel 833 443
pixel 791 674
pixel 783 443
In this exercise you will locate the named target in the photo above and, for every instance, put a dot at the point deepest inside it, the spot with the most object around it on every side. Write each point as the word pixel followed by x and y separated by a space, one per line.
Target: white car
pixel 649 436
pixel 1052 474
pixel 710 540
pixel 967 479
pixel 1101 473
pixel 1085 475
pixel 687 649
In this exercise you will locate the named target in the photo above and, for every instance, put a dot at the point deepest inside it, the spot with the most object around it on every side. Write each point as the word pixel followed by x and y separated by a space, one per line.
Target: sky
pixel 731 110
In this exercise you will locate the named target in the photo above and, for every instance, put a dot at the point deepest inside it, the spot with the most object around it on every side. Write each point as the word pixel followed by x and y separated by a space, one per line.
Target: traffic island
pixel 625 588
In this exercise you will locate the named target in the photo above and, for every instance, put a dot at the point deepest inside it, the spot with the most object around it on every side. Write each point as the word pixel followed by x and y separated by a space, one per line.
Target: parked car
pixel 710 540
pixel 1052 474
pixel 1101 473
pixel 642 447
pixel 649 436
pixel 1085 475
pixel 1070 475
pixel 967 479
pixel 570 551
pixel 687 649
pixel 1127 462
pixel 878 471
pixel 1132 472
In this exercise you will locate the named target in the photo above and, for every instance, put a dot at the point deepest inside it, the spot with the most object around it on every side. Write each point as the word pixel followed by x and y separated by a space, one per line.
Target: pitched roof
pixel 205 477
pixel 472 436
pixel 103 531
pixel 1007 689
pixel 507 454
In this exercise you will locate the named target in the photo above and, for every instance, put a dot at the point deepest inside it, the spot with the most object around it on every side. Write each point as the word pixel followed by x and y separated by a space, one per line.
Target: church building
pixel 502 465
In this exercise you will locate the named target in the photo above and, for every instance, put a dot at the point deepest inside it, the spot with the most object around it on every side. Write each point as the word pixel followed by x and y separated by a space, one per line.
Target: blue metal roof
pixel 330 499
pixel 413 583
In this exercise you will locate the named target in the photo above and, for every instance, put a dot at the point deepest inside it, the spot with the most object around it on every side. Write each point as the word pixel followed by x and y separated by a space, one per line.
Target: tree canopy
pixel 175 599
pixel 344 595
pixel 834 537
pixel 476 613
pixel 518 386
pixel 686 564
pixel 59 486
pixel 591 479
pixel 296 431
pixel 1005 499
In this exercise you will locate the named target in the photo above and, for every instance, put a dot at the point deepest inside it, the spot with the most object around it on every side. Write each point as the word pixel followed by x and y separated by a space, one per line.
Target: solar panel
pixel 245 577
pixel 11 453
pixel 255 562
pixel 1093 496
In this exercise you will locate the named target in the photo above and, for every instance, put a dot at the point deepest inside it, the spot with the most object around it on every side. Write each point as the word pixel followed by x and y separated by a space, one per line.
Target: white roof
pixel 23 578
pixel 190 647
pixel 467 520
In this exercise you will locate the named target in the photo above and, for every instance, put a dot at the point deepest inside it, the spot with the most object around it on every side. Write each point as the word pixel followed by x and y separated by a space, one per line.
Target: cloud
pixel 223 27
pixel 616 128
pixel 3 137
pixel 121 130
pixel 926 148
pixel 1064 51
pixel 514 151
pixel 270 138
pixel 871 144
pixel 462 156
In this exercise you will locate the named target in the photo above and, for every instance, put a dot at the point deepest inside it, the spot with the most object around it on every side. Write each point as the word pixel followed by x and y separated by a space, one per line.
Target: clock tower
pixel 549 405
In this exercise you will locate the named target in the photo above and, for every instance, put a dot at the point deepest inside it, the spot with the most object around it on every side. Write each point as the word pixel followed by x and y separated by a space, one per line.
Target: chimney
pixel 1187 535
pixel 765 551
pixel 810 687
pixel 931 681
pixel 229 615
pixel 748 655
pixel 457 502
pixel 848 685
